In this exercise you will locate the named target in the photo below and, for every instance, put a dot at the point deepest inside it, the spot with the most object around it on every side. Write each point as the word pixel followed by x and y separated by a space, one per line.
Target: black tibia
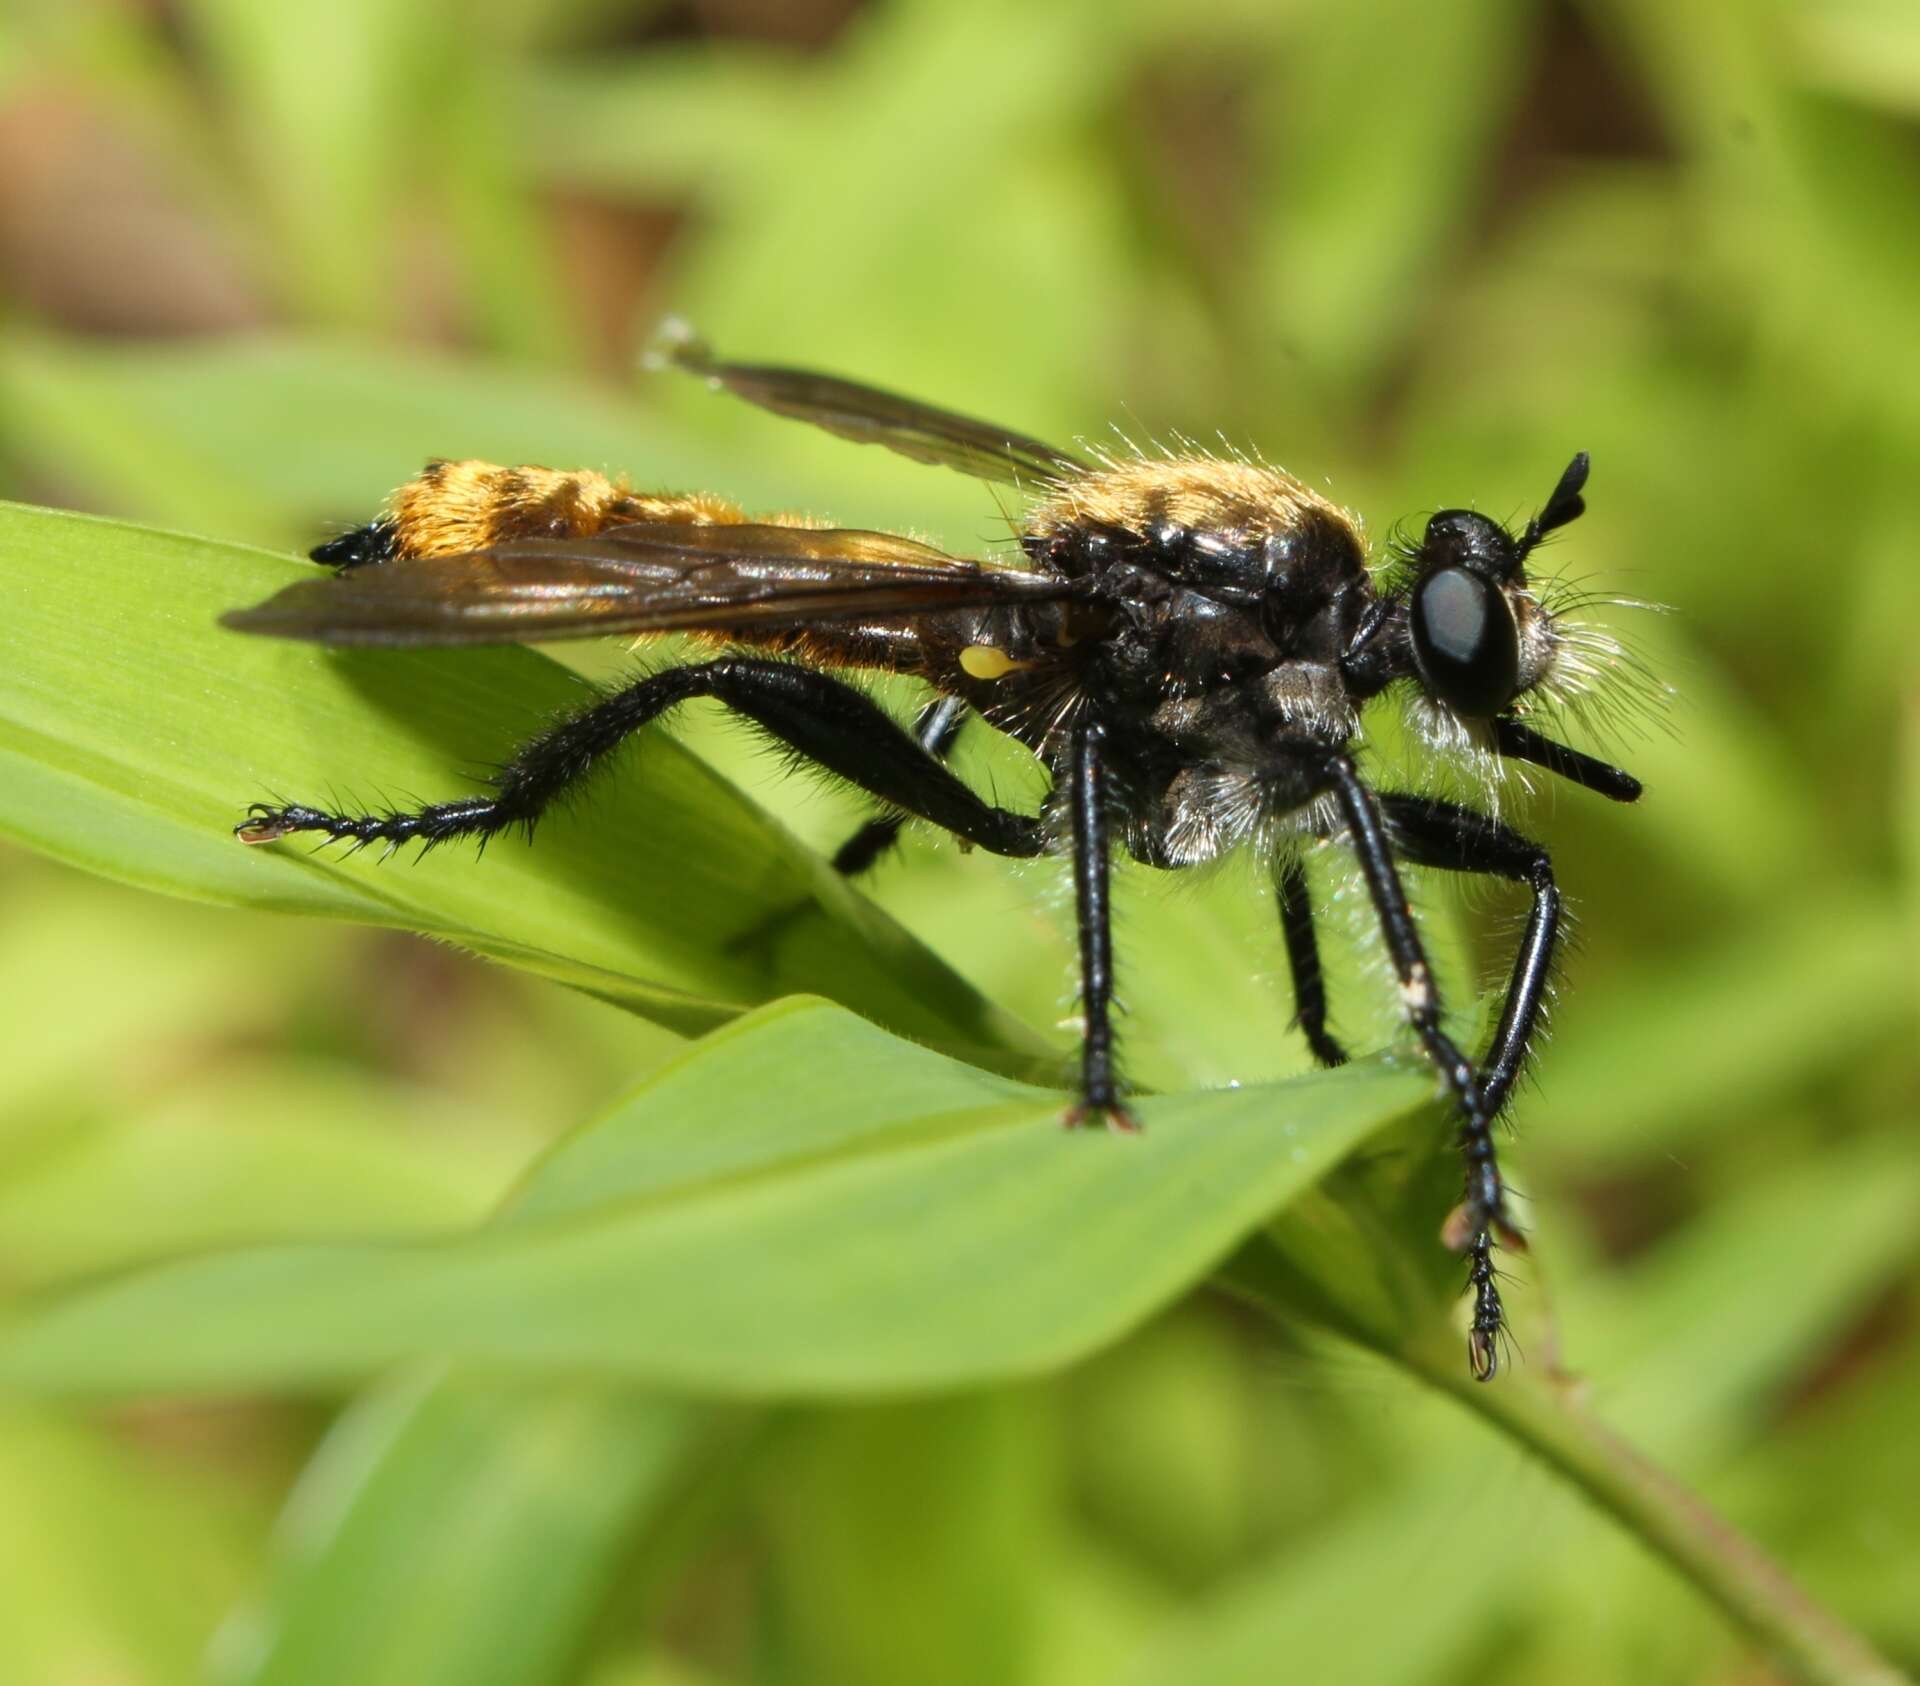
pixel 1456 839
pixel 1484 1208
pixel 822 718
pixel 1522 744
pixel 1303 957
pixel 937 729
pixel 1086 795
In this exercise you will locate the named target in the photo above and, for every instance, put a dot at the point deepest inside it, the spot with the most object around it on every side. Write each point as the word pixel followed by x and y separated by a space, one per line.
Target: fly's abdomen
pixel 451 508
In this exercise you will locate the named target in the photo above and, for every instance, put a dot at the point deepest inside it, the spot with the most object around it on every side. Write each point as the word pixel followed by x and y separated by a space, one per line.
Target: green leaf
pixel 324 105
pixel 986 197
pixel 661 123
pixel 1690 1051
pixel 800 1205
pixel 532 1497
pixel 271 434
pixel 1868 50
pixel 110 1569
pixel 86 966
pixel 970 1481
pixel 133 732
pixel 276 1151
pixel 1307 1601
pixel 1777 1306
pixel 1367 208
pixel 1684 1384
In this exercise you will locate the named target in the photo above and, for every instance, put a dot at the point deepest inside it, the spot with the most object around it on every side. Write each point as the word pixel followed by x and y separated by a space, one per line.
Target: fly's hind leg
pixel 826 720
pixel 937 730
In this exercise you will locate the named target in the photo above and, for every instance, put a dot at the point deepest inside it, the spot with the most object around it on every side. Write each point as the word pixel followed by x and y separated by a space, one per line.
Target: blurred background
pixel 257 262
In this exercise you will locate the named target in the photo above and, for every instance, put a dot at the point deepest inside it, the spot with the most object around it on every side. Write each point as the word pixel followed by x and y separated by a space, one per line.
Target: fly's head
pixel 1487 645
pixel 1481 638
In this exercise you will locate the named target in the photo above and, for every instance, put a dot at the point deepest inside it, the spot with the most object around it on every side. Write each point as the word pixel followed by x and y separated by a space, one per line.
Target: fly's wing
pixel 649 577
pixel 869 416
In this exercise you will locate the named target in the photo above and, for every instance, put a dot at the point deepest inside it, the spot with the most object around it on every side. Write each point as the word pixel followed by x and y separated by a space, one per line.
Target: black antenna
pixel 1566 504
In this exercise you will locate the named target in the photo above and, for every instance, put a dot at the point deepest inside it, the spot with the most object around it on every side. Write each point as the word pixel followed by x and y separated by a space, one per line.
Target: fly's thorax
pixel 1020 665
pixel 1211 572
pixel 1242 724
pixel 1206 774
pixel 1235 504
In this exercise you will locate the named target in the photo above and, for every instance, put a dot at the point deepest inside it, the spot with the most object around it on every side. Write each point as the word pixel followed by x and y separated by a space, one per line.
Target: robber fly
pixel 1186 646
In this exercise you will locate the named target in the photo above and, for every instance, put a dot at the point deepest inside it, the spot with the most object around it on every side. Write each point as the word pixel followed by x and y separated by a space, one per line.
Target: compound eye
pixel 1465 642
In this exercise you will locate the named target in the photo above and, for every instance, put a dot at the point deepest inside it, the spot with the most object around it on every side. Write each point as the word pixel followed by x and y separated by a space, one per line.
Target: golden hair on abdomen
pixel 450 508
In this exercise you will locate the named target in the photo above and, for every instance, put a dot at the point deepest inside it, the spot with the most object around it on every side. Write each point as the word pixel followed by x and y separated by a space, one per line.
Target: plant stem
pixel 1549 1416
pixel 1392 1311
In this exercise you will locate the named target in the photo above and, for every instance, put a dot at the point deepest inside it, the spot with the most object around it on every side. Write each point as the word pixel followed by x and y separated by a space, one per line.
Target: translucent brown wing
pixel 649 577
pixel 869 416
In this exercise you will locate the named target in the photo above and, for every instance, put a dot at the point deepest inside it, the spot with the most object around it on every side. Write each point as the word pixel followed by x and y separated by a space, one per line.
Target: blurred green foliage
pixel 256 262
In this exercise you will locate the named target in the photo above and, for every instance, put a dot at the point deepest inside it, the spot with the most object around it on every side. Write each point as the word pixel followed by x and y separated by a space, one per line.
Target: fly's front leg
pixel 1483 1212
pixel 1456 839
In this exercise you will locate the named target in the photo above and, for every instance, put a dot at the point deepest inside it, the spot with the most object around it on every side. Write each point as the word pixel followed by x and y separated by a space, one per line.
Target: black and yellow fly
pixel 1186 645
